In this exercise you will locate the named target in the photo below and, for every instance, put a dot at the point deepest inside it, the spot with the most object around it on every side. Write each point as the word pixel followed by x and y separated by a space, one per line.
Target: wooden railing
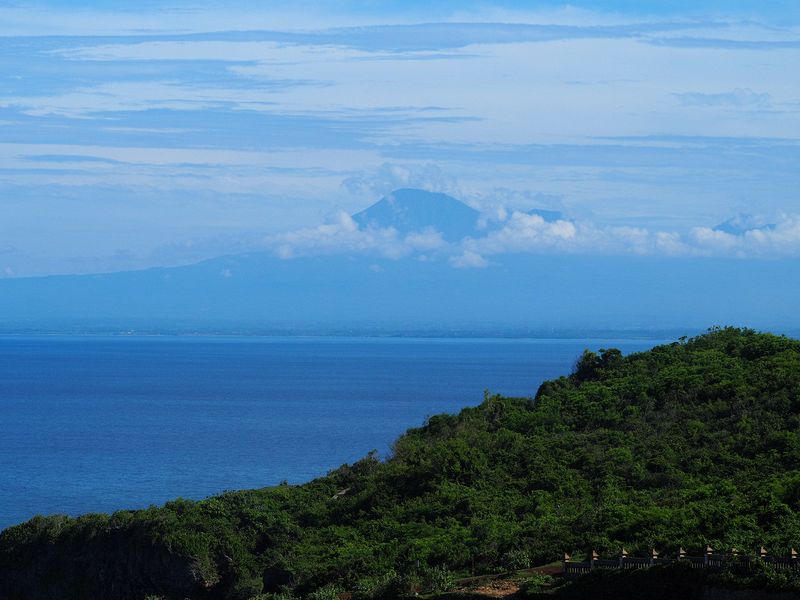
pixel 710 560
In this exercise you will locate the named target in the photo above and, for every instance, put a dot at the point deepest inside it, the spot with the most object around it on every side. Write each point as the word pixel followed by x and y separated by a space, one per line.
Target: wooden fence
pixel 710 560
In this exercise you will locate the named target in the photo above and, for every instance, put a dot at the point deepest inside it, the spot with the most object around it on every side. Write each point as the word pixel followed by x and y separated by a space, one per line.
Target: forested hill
pixel 687 444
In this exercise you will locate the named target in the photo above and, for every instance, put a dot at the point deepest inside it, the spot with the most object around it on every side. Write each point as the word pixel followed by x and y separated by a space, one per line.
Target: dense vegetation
pixel 690 443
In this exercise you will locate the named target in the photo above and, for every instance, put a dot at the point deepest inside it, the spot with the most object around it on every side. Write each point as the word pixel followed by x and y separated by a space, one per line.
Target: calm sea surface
pixel 91 424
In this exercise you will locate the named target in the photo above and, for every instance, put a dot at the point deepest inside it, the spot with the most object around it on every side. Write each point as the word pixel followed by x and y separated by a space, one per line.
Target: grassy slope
pixel 687 444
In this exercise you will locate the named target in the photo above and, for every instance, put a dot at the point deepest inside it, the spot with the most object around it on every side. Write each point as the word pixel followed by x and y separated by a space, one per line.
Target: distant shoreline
pixel 665 334
pixel 365 335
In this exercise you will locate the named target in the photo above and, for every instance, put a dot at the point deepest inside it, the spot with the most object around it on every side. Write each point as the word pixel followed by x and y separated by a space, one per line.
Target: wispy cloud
pixel 468 260
pixel 724 44
pixel 391 176
pixel 263 119
pixel 741 97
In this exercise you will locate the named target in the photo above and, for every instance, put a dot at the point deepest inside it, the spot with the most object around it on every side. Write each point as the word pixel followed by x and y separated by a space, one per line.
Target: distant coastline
pixel 389 332
pixel 421 333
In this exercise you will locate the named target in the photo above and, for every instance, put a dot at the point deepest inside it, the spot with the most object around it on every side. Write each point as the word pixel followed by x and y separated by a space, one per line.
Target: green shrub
pixel 282 596
pixel 514 560
pixel 328 592
pixel 437 579
pixel 409 584
pixel 536 583
pixel 381 586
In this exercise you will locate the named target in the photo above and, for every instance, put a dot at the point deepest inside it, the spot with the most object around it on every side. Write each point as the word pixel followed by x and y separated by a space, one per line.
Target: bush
pixel 328 592
pixel 405 585
pixel 383 586
pixel 536 583
pixel 437 580
pixel 515 560
pixel 272 597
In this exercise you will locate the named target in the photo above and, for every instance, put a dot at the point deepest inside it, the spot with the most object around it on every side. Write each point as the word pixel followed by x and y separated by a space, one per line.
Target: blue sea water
pixel 96 424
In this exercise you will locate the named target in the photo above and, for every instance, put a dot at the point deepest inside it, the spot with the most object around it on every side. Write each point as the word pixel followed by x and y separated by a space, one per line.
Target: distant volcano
pixel 409 210
pixel 742 223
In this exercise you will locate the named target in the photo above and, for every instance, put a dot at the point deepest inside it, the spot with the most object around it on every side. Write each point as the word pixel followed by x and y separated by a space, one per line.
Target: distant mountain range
pixel 361 292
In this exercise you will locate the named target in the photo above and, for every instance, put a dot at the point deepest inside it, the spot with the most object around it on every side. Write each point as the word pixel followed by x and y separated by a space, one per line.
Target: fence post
pixel 707 556
pixel 681 553
pixel 653 556
pixel 762 553
pixel 793 557
pixel 622 556
pixel 593 557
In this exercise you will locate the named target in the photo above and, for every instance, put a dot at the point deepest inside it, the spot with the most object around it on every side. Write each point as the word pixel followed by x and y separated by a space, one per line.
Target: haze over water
pixel 97 424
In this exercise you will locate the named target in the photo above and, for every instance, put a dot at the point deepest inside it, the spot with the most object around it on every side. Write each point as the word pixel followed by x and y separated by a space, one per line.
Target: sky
pixel 174 132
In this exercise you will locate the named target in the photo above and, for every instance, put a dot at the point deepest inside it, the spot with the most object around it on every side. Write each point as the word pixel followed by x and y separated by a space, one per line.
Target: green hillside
pixel 687 444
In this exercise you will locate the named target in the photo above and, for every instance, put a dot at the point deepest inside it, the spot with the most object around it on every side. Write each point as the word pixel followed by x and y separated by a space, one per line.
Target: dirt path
pixel 502 585
pixel 499 588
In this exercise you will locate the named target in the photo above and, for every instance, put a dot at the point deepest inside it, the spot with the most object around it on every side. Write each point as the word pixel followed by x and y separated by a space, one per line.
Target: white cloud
pixel 527 233
pixel 391 176
pixel 524 233
pixel 670 244
pixel 530 233
pixel 429 239
pixel 782 239
pixel 468 260
pixel 342 235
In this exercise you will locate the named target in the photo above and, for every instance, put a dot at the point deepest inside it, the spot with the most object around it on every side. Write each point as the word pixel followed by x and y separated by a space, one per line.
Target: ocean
pixel 97 424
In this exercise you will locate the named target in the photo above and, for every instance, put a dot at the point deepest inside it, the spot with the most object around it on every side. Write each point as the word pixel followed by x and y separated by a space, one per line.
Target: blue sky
pixel 179 131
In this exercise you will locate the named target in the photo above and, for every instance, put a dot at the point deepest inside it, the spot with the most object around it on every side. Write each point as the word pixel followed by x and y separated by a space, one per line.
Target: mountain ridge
pixel 262 292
